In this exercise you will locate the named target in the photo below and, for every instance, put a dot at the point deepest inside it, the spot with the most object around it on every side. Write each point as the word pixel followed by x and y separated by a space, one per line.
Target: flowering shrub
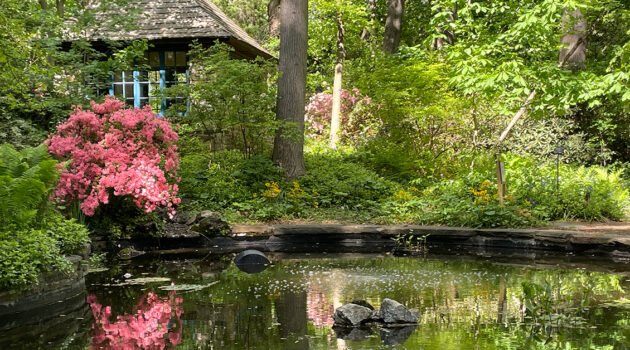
pixel 319 110
pixel 156 324
pixel 116 151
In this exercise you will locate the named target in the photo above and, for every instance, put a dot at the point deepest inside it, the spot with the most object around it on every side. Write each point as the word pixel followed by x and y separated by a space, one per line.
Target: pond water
pixel 208 303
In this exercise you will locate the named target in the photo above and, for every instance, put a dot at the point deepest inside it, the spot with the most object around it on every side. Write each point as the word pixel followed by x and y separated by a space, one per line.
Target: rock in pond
pixel 251 261
pixel 392 311
pixel 209 222
pixel 351 315
pixel 362 303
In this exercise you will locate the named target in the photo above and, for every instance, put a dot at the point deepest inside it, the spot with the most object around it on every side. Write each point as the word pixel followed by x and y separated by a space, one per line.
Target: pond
pixel 207 303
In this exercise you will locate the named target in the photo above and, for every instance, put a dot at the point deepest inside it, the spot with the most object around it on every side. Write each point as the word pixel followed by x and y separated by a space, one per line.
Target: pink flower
pixel 319 109
pixel 116 151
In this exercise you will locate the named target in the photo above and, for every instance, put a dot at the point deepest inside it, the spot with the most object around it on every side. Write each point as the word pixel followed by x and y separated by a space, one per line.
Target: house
pixel 170 26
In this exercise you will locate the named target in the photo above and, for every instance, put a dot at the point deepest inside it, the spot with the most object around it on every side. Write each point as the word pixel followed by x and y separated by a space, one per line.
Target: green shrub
pixel 338 181
pixel 216 180
pixel 232 100
pixel 28 252
pixel 587 193
pixel 27 178
pixel 33 236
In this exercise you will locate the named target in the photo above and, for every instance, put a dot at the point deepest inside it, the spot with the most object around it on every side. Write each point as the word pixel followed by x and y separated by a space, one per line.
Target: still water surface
pixel 209 304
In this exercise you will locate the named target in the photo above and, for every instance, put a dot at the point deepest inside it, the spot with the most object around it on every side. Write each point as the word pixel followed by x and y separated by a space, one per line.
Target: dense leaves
pixel 33 237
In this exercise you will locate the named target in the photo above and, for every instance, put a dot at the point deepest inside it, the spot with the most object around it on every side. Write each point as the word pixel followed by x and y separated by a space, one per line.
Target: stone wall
pixel 56 294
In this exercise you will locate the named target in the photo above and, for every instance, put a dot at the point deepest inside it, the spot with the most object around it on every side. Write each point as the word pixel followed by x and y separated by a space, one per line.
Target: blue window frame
pixel 139 88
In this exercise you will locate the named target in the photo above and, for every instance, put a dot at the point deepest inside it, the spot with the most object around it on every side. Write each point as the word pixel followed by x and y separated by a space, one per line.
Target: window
pixel 140 88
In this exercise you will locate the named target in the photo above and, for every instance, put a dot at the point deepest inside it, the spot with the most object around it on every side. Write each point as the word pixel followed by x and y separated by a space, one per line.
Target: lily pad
pixel 97 269
pixel 188 287
pixel 140 281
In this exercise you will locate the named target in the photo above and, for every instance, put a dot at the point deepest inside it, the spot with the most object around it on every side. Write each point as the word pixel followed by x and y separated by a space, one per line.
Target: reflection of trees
pixel 464 305
pixel 291 312
pixel 156 324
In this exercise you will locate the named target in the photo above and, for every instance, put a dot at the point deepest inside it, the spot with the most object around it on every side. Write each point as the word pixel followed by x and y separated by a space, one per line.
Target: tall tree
pixel 335 118
pixel 288 148
pixel 393 24
pixel 273 17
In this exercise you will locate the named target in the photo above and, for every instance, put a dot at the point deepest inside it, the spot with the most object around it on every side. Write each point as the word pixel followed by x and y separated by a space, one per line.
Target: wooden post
pixel 500 179
pixel 504 134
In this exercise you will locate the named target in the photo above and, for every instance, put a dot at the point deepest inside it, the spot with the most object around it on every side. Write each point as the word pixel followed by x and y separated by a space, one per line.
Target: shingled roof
pixel 183 19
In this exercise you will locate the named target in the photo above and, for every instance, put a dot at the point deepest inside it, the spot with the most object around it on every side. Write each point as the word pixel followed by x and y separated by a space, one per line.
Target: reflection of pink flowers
pixel 124 152
pixel 318 307
pixel 155 325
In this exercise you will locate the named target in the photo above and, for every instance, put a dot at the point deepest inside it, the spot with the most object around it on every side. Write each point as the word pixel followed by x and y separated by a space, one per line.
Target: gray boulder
pixel 209 222
pixel 362 303
pixel 392 311
pixel 351 315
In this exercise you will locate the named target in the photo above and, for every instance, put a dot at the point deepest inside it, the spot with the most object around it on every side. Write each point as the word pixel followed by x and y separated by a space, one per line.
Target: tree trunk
pixel 60 4
pixel 573 53
pixel 43 4
pixel 335 117
pixel 273 17
pixel 366 33
pixel 449 39
pixel 288 149
pixel 393 24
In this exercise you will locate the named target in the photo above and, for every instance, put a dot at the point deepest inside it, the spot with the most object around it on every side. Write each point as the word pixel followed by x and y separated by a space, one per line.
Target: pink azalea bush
pixel 119 151
pixel 156 324
pixel 319 111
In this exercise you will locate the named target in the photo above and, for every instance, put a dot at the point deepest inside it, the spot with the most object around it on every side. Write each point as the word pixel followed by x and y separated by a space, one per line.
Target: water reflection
pixel 155 324
pixel 464 305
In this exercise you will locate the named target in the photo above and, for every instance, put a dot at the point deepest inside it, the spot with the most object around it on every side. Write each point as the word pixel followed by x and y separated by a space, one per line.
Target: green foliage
pixel 19 132
pixel 33 237
pixel 219 179
pixel 249 15
pixel 422 124
pixel 42 76
pixel 122 219
pixel 340 181
pixel 253 186
pixel 538 138
pixel 232 100
pixel 26 253
pixel 589 193
pixel 27 178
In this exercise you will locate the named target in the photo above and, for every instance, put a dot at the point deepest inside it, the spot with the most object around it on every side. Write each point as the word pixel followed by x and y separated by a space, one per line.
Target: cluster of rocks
pixel 394 320
pixel 207 223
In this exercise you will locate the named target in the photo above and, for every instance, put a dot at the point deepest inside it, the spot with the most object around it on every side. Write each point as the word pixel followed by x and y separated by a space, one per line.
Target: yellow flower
pixel 272 190
pixel 402 196
pixel 296 191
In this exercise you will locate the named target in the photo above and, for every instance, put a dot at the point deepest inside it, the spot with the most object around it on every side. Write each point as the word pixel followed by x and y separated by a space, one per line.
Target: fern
pixel 27 179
